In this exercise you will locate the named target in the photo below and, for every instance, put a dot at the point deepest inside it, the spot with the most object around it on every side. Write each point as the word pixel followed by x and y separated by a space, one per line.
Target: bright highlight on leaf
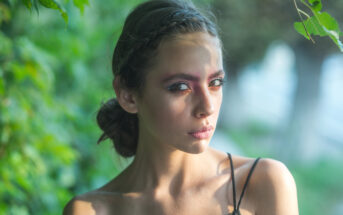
pixel 320 24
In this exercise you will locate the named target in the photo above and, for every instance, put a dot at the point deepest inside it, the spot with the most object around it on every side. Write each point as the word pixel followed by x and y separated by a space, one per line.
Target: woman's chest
pixel 181 206
pixel 213 198
pixel 200 202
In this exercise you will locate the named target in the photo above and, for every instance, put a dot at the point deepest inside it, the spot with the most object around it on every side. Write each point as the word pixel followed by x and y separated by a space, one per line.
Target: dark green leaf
pixel 64 15
pixel 35 5
pixel 27 3
pixel 55 5
pixel 49 4
pixel 316 5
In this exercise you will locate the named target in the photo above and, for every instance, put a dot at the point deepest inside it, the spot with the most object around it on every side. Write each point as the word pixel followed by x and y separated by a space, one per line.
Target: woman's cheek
pixel 170 110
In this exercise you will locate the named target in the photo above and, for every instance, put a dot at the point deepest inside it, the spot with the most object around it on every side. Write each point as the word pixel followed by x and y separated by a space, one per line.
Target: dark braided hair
pixel 145 27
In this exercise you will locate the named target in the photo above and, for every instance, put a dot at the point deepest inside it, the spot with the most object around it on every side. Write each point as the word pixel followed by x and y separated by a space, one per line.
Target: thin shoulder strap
pixel 233 182
pixel 236 207
pixel 246 181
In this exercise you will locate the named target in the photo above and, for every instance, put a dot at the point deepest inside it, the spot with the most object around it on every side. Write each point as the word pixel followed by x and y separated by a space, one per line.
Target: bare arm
pixel 275 190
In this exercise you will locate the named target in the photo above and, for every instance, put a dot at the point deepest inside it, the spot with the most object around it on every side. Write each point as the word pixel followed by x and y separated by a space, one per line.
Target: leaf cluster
pixel 53 79
pixel 319 23
pixel 55 5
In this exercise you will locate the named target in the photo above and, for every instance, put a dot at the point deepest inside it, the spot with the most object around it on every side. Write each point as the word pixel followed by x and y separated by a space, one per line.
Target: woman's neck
pixel 159 166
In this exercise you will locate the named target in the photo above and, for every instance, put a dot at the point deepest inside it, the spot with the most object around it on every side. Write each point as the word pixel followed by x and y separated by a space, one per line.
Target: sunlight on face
pixel 182 94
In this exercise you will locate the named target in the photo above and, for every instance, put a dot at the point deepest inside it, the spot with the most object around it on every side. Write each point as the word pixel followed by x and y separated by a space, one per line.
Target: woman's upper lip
pixel 203 129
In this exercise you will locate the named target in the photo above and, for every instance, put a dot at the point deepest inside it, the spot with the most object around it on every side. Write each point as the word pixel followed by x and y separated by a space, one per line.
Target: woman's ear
pixel 125 97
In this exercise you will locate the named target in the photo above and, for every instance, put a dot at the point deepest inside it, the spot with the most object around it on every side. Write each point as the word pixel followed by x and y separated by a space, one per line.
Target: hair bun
pixel 120 126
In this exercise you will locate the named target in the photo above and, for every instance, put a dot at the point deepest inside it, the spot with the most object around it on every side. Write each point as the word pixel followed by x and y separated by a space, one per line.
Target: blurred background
pixel 282 99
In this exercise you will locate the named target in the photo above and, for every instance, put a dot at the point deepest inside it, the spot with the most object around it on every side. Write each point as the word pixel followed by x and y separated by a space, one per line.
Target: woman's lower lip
pixel 201 134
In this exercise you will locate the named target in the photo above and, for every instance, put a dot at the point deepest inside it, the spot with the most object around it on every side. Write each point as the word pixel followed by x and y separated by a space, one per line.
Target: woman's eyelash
pixel 220 80
pixel 178 87
pixel 183 86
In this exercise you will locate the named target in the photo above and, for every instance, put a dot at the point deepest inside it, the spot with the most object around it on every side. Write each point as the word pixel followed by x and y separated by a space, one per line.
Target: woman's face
pixel 182 94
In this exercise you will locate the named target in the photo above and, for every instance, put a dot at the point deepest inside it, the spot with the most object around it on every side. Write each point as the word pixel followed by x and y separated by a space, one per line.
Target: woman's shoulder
pixel 96 202
pixel 81 204
pixel 266 168
pixel 272 188
pixel 268 174
pixel 272 175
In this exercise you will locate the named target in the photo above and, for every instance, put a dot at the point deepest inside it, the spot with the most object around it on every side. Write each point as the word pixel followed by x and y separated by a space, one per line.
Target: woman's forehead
pixel 189 52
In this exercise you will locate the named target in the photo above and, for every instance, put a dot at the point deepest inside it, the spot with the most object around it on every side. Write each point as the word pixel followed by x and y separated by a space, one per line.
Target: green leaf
pixel 298 26
pixel 35 5
pixel 55 5
pixel 331 28
pixel 81 4
pixel 64 15
pixel 27 3
pixel 328 22
pixel 49 4
pixel 316 5
pixel 336 40
pixel 322 24
pixel 313 28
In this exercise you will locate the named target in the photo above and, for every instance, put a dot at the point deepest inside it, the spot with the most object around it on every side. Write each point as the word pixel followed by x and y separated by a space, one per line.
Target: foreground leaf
pixel 55 5
pixel 322 24
pixel 316 5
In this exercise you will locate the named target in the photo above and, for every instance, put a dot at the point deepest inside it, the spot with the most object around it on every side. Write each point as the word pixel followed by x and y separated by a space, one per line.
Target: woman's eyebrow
pixel 191 77
pixel 216 74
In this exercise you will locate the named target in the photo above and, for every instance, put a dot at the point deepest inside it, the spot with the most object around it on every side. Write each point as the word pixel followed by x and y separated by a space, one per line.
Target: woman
pixel 168 76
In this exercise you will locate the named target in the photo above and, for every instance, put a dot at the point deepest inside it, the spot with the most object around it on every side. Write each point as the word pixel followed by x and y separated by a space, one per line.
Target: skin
pixel 174 172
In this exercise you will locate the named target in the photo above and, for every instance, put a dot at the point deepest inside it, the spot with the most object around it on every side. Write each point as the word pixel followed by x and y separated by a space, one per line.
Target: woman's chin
pixel 197 147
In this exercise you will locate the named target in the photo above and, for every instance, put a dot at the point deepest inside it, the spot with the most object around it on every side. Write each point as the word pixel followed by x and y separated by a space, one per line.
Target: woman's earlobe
pixel 125 97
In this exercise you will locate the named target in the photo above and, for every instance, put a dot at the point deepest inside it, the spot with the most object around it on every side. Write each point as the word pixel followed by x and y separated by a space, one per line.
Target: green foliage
pixel 52 81
pixel 81 4
pixel 320 24
pixel 319 184
pixel 316 5
pixel 55 5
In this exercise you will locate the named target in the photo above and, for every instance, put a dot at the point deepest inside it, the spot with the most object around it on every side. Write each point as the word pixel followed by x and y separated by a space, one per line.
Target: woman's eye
pixel 178 87
pixel 217 82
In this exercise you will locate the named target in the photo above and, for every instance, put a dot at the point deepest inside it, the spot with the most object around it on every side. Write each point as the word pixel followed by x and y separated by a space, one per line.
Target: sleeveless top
pixel 236 207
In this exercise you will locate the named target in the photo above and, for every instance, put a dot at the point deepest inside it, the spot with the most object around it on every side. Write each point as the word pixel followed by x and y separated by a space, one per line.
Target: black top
pixel 236 207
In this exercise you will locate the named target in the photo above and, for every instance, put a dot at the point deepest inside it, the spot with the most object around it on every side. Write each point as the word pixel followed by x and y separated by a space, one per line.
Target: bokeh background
pixel 282 99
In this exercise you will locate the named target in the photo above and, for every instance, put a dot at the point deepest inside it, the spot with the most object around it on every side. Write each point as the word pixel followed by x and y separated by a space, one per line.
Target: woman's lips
pixel 203 133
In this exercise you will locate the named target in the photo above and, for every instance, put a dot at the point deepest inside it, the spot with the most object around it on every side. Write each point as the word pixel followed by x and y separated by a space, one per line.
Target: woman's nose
pixel 205 105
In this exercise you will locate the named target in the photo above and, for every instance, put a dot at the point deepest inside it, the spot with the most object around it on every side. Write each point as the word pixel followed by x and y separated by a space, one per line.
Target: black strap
pixel 233 182
pixel 236 207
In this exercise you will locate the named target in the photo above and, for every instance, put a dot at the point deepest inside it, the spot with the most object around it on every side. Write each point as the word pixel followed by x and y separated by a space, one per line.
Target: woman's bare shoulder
pixel 273 174
pixel 272 188
pixel 82 204
pixel 95 202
